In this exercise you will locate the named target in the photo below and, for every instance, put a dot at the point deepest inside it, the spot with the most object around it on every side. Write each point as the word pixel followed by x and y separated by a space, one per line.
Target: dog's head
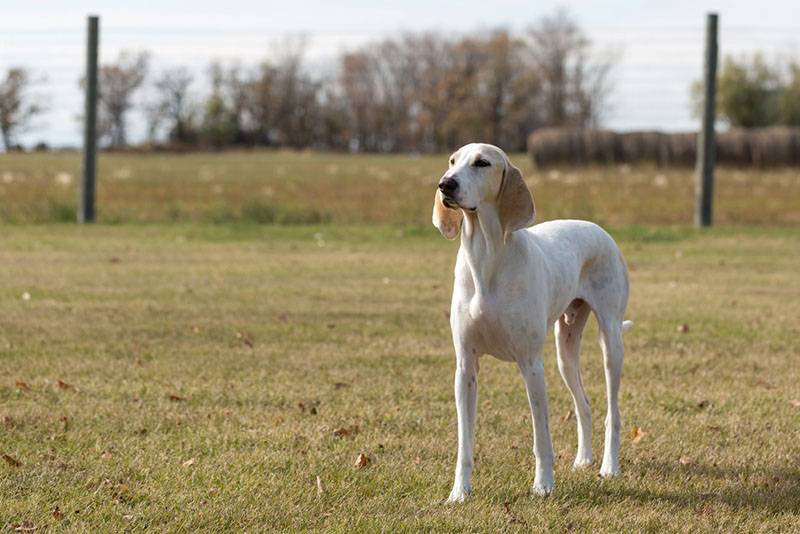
pixel 481 175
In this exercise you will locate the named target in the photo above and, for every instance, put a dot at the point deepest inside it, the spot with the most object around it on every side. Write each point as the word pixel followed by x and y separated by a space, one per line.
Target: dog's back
pixel 585 262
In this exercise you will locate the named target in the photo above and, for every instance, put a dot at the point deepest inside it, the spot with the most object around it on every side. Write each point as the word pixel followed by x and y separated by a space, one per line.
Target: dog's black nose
pixel 448 186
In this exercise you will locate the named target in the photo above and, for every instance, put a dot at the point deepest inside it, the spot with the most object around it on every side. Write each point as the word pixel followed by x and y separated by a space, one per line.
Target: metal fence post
pixel 706 145
pixel 86 201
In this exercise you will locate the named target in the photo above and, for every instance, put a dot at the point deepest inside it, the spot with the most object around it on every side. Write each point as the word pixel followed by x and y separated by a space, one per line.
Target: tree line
pixel 417 92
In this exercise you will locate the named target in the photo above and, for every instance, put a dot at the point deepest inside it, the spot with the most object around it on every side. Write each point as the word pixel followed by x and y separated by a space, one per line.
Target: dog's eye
pixel 481 163
pixel 452 161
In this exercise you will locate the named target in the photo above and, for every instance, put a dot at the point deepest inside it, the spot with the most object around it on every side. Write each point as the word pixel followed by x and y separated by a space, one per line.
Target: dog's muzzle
pixel 448 187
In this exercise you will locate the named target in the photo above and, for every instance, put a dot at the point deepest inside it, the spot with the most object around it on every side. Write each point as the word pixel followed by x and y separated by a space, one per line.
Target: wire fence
pixel 654 66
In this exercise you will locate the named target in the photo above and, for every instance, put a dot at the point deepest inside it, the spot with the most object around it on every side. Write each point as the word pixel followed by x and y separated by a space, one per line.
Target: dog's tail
pixel 626 325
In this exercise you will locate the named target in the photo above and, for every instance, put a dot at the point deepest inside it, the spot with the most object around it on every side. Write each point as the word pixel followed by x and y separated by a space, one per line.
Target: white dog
pixel 510 284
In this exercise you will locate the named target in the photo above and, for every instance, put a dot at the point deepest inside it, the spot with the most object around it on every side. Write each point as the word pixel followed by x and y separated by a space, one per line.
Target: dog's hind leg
pixel 611 343
pixel 568 330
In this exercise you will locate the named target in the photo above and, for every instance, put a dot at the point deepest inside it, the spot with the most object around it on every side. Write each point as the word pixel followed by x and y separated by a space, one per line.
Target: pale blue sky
pixel 658 44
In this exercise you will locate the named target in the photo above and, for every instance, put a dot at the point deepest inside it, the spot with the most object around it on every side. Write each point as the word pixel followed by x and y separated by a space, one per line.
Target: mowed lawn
pixel 226 378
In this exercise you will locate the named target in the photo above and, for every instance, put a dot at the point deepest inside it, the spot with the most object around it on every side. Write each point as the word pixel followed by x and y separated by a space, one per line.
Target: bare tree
pixel 574 89
pixel 236 88
pixel 117 82
pixel 281 103
pixel 217 126
pixel 358 93
pixel 18 105
pixel 173 109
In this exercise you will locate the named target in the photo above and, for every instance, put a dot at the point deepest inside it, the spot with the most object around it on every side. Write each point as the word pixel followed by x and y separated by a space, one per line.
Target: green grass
pixel 205 369
pixel 311 188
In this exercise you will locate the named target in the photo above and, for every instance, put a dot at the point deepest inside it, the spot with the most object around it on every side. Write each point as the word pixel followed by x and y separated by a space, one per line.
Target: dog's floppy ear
pixel 446 220
pixel 515 202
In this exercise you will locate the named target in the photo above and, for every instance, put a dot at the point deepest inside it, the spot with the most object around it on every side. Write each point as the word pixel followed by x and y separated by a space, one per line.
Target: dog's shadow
pixel 776 490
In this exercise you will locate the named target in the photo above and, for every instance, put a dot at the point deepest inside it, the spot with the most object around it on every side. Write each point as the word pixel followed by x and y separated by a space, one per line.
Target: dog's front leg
pixel 533 374
pixel 466 390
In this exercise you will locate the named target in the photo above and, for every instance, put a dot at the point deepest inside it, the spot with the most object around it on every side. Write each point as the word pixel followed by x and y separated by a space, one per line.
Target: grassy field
pixel 306 187
pixel 181 367
pixel 188 377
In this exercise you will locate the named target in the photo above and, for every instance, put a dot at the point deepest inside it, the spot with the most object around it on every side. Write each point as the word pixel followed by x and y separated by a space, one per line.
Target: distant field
pixel 307 187
pixel 201 377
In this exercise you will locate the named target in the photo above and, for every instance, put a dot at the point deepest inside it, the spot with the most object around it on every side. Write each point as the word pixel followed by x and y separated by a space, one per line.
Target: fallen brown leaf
pixel 64 385
pixel 685 460
pixel 25 526
pixel 8 421
pixel 245 338
pixel 683 328
pixel 189 462
pixel 58 515
pixel 10 460
pixel 362 460
pixel 340 385
pixel 312 407
pixel 176 398
pixel 123 488
pixel 23 386
pixel 113 259
pixel 320 487
pixel 795 403
pixel 637 434
pixel 345 431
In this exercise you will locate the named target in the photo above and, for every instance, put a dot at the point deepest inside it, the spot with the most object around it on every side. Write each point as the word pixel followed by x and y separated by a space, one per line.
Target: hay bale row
pixel 761 147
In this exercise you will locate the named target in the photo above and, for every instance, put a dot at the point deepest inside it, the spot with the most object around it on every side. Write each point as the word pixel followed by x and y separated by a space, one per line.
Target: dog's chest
pixel 492 322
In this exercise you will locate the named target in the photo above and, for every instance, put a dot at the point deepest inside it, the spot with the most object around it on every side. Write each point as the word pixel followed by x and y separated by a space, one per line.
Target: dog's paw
pixel 582 462
pixel 460 493
pixel 609 471
pixel 543 488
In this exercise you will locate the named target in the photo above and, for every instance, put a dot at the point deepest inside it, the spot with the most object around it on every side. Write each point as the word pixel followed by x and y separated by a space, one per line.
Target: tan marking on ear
pixel 446 220
pixel 515 202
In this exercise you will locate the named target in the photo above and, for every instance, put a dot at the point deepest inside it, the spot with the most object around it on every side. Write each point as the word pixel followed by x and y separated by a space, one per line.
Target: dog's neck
pixel 482 243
